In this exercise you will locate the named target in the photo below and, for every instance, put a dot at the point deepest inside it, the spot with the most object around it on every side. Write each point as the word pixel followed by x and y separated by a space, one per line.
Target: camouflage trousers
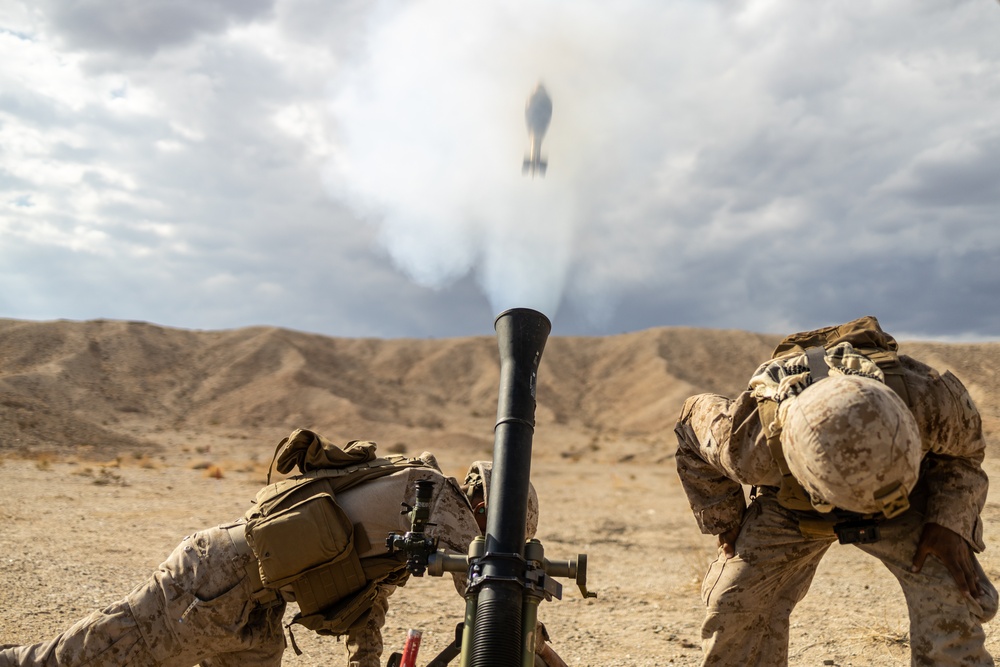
pixel 751 596
pixel 197 608
pixel 364 641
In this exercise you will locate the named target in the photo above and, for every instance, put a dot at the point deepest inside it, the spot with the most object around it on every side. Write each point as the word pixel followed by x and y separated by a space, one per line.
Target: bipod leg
pixel 451 651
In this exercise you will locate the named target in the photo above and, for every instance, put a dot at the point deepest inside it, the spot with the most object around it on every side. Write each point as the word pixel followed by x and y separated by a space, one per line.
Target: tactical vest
pixel 866 337
pixel 302 539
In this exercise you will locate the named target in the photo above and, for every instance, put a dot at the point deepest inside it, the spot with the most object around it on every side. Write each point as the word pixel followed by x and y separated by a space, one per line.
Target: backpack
pixel 303 539
pixel 866 337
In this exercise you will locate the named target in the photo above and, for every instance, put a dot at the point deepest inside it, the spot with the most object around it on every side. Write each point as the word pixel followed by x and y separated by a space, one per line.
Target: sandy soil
pixel 117 439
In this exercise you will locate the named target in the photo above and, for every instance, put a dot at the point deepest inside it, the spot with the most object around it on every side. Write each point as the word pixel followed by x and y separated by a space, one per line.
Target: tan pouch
pixel 296 539
pixel 337 619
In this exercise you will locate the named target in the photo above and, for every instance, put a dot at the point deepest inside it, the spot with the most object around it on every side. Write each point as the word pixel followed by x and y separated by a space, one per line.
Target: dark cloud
pixel 145 26
pixel 959 174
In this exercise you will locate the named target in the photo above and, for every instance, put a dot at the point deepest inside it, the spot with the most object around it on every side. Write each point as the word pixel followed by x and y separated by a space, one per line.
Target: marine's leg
pixel 105 638
pixel 750 597
pixel 121 633
pixel 199 603
pixel 364 643
pixel 267 647
pixel 946 628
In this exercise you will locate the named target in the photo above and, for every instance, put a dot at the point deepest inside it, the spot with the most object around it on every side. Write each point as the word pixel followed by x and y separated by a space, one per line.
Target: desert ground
pixel 119 438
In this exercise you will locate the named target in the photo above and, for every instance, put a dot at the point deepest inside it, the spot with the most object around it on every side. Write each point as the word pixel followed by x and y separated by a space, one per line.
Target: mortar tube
pixel 521 336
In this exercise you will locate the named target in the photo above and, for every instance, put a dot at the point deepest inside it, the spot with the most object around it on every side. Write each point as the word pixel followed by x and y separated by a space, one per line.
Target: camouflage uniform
pixel 749 597
pixel 204 606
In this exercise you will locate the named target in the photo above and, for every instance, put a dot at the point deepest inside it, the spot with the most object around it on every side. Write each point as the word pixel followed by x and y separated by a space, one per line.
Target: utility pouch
pixel 338 619
pixel 309 545
pixel 862 531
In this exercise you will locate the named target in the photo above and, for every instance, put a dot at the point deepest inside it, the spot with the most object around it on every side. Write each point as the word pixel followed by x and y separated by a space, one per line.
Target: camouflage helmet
pixel 852 443
pixel 479 476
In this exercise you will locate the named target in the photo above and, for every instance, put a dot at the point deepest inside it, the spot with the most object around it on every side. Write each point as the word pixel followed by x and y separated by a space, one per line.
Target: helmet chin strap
pixel 820 506
pixel 893 500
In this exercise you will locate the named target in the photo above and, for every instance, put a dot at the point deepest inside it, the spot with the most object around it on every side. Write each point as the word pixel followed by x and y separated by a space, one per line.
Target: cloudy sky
pixel 353 167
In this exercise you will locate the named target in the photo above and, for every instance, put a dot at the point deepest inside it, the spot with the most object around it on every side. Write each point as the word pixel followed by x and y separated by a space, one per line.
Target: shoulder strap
pixel 818 368
pixel 343 479
pixel 892 368
pixel 337 480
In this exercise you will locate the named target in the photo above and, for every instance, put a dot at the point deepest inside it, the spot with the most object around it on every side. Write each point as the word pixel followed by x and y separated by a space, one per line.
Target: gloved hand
pixel 951 550
pixel 727 541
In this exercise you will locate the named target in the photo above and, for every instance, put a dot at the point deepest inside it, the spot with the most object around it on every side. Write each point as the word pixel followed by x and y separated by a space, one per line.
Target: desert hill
pixel 104 387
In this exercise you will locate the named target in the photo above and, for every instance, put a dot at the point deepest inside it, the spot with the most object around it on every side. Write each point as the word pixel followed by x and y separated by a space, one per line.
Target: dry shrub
pixel 147 463
pixel 888 638
pixel 108 477
pixel 214 472
pixel 44 460
pixel 250 467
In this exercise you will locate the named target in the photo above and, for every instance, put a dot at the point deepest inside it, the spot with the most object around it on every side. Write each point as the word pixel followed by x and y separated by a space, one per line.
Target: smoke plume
pixel 703 158
pixel 432 140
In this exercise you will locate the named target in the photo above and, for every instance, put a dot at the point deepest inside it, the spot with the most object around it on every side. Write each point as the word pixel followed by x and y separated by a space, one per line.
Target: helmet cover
pixel 851 442
pixel 480 475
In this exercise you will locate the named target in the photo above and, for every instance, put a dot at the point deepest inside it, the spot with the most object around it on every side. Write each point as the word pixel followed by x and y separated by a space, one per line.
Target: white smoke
pixel 432 140
pixel 688 141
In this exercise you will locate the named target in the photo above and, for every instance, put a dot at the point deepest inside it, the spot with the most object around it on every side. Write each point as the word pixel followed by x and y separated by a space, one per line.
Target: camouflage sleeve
pixel 715 497
pixel 364 641
pixel 957 483
pixel 455 526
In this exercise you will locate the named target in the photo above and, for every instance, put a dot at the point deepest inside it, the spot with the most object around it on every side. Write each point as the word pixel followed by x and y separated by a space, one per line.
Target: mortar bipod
pixel 538 567
pixel 538 583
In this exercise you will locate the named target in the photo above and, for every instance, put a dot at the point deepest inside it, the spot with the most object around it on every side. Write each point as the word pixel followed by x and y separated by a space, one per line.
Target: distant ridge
pixel 103 387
